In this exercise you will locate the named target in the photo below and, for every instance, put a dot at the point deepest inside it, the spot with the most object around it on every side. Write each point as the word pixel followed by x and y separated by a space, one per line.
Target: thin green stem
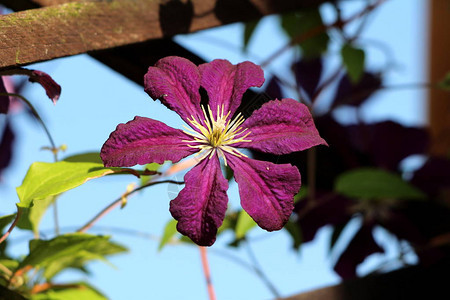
pixel 318 30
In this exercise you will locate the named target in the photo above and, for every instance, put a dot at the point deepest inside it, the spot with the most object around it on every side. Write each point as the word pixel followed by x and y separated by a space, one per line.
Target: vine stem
pixel 319 29
pixel 206 271
pixel 7 233
pixel 118 201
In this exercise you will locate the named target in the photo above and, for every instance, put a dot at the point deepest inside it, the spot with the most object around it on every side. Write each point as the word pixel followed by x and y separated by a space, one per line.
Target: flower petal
pixel 201 205
pixel 176 82
pixel 226 83
pixel 143 141
pixel 52 89
pixel 281 127
pixel 267 190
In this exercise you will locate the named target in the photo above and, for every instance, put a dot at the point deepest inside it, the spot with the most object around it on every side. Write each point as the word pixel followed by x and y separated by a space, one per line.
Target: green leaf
pixel 93 157
pixel 249 28
pixel 229 174
pixel 302 194
pixel 337 230
pixel 353 59
pixel 243 225
pixel 294 230
pixel 5 220
pixel 169 231
pixel 369 183
pixel 74 291
pixel 31 216
pixel 445 82
pixel 305 24
pixel 72 250
pixel 47 179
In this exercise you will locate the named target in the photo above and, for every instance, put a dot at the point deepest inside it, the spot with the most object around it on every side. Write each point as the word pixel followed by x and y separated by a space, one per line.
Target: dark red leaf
pixel 6 146
pixel 4 100
pixel 387 143
pixel 355 94
pixel 308 72
pixel 273 88
pixel 328 209
pixel 434 177
pixel 361 246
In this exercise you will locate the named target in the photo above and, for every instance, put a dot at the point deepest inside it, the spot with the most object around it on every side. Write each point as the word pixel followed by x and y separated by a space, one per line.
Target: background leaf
pixel 249 28
pixel 303 23
pixel 445 82
pixel 369 183
pixel 243 225
pixel 169 231
pixel 83 291
pixel 353 59
pixel 31 216
pixel 5 220
pixel 72 250
pixel 47 179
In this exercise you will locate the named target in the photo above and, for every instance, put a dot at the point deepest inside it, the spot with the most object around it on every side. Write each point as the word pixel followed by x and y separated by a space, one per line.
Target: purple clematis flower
pixel 279 127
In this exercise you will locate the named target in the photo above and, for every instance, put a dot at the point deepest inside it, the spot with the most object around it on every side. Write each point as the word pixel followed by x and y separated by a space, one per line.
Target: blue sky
pixel 95 99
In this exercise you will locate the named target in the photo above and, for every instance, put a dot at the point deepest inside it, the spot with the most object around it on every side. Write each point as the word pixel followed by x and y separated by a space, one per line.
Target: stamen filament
pixel 217 134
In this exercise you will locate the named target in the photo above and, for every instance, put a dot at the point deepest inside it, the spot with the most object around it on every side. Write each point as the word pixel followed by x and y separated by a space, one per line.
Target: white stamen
pixel 218 133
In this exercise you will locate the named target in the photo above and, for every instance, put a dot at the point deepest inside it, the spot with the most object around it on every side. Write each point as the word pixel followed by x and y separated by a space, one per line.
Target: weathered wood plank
pixel 418 282
pixel 78 27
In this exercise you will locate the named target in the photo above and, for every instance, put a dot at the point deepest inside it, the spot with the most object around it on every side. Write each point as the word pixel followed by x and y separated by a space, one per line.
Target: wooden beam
pixel 78 27
pixel 418 282
pixel 439 65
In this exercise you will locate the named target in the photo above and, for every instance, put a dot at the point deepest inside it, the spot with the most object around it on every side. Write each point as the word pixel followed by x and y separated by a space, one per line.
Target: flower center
pixel 218 134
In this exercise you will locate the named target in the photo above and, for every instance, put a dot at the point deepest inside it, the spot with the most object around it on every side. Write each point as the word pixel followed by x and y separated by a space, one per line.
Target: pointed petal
pixel 226 83
pixel 281 127
pixel 201 205
pixel 176 82
pixel 143 141
pixel 267 190
pixel 52 89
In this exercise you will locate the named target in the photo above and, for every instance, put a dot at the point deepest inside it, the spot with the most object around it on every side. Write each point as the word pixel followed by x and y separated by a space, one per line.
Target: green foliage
pixel 308 26
pixel 294 231
pixel 31 216
pixel 93 157
pixel 302 194
pixel 72 250
pixel 243 225
pixel 353 59
pixel 74 291
pixel 169 232
pixel 47 179
pixel 371 183
pixel 5 220
pixel 337 231
pixel 445 82
pixel 249 29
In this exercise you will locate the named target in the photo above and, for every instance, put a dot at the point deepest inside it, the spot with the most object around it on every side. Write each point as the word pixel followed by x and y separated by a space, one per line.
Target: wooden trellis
pixel 130 35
